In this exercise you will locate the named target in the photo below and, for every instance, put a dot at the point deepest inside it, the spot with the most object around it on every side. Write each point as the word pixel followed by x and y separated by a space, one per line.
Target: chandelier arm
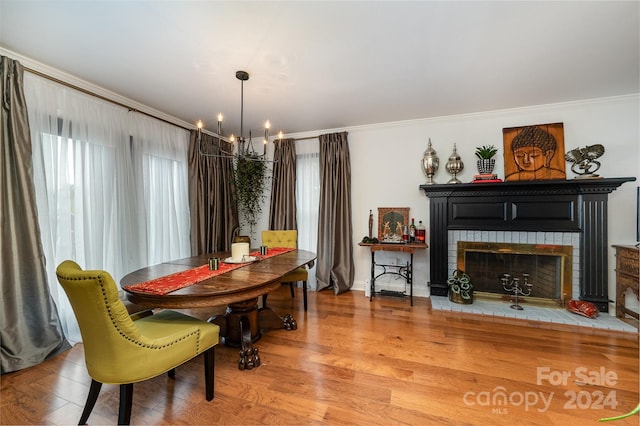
pixel 235 157
pixel 217 135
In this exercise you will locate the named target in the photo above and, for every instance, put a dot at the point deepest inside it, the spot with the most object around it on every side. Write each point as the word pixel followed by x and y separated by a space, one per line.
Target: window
pixel 308 198
pixel 111 186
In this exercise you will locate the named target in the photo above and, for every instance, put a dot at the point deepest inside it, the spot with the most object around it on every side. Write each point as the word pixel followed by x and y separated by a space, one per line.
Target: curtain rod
pixel 104 98
pixel 307 137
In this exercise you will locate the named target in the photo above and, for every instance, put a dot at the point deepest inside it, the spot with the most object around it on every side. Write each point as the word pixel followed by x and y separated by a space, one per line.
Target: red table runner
pixel 173 282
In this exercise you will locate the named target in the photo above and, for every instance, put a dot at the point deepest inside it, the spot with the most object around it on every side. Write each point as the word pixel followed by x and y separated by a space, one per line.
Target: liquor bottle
pixel 412 231
pixel 405 234
pixel 370 224
pixel 420 233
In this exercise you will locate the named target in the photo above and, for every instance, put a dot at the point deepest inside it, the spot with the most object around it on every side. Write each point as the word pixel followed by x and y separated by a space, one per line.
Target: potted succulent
pixel 486 162
pixel 460 288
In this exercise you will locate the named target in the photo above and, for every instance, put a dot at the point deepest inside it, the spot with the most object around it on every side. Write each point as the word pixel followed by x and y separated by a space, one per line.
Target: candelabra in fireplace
pixel 512 284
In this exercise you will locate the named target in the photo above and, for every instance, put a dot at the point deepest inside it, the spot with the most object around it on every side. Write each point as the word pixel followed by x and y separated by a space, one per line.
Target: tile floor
pixel 536 313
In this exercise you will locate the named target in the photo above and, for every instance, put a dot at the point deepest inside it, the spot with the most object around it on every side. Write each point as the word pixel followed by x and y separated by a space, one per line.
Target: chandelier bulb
pixel 199 131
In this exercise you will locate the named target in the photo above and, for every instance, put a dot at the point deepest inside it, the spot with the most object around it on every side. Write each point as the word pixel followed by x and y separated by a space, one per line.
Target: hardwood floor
pixel 356 362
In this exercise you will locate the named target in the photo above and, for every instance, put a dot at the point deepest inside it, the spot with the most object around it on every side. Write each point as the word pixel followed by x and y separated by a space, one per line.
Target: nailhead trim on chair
pixel 104 294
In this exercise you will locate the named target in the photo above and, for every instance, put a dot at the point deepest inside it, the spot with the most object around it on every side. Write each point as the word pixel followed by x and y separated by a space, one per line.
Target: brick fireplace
pixel 541 212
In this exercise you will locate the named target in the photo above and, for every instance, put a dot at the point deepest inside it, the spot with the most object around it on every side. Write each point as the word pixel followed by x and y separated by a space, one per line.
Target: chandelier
pixel 244 148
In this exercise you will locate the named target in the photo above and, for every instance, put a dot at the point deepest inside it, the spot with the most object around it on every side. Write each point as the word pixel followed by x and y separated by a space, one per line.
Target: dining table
pixel 194 282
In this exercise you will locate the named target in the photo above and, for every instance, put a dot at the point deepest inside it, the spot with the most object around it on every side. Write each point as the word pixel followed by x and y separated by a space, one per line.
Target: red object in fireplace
pixel 580 307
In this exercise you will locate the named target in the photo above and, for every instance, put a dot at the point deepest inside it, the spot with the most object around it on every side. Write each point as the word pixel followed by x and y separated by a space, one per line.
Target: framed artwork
pixel 534 152
pixel 391 222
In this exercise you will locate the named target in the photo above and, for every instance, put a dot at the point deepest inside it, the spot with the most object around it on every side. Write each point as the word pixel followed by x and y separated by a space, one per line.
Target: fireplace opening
pixel 547 268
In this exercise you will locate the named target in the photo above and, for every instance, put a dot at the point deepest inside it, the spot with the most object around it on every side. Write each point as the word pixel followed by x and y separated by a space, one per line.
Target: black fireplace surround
pixel 578 205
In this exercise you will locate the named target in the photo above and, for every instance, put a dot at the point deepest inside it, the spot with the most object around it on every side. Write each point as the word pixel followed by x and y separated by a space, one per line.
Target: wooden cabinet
pixel 627 264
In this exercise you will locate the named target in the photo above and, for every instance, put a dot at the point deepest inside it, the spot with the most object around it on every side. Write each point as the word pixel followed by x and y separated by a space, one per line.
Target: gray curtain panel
pixel 213 210
pixel 282 213
pixel 335 241
pixel 31 329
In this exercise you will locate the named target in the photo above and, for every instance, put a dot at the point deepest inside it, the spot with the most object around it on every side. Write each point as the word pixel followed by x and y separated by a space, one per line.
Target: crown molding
pixel 90 87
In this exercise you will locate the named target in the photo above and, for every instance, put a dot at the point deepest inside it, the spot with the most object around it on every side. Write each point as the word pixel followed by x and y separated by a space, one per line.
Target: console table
pixel 405 271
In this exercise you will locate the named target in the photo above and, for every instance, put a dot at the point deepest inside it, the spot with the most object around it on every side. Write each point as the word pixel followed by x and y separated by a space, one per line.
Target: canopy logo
pixel 499 399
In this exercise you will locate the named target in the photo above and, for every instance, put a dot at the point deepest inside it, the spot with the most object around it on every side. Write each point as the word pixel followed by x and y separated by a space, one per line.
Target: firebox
pixel 546 268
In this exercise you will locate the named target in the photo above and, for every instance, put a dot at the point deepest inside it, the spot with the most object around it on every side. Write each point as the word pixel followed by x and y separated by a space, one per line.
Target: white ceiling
pixel 329 65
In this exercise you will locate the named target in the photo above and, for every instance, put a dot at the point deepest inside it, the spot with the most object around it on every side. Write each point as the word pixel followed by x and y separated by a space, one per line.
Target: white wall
pixel 386 172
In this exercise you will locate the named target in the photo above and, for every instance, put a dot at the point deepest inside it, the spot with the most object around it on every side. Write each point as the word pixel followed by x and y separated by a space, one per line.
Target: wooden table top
pixel 248 282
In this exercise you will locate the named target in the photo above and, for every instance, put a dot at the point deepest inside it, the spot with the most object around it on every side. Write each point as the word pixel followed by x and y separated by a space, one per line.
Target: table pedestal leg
pixel 239 333
pixel 249 356
pixel 242 325
pixel 270 320
pixel 239 328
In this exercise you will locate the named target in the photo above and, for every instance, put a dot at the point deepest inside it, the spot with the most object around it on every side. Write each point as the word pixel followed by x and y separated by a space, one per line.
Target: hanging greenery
pixel 251 179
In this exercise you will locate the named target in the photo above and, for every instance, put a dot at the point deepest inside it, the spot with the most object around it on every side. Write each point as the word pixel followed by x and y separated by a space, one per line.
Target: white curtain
pixel 160 153
pixel 308 199
pixel 103 184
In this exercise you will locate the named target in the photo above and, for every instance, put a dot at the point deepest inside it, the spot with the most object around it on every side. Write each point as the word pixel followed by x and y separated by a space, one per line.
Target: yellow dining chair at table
pixel 289 239
pixel 123 349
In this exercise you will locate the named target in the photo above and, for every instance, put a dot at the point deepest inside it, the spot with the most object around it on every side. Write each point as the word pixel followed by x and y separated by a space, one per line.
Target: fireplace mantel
pixel 578 205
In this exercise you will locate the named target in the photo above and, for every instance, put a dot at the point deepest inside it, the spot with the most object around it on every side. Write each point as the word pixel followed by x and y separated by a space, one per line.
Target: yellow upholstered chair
pixel 121 350
pixel 288 238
